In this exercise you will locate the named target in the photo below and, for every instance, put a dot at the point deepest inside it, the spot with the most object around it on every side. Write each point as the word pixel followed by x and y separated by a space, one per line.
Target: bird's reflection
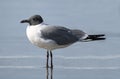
pixel 49 73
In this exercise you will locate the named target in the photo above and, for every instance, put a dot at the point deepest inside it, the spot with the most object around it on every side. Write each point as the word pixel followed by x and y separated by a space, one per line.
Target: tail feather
pixel 96 37
pixel 85 37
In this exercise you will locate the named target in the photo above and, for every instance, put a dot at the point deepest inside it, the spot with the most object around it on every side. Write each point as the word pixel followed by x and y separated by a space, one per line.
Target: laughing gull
pixel 52 37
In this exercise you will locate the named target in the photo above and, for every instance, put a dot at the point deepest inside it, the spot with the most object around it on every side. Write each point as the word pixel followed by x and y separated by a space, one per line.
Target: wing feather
pixel 60 35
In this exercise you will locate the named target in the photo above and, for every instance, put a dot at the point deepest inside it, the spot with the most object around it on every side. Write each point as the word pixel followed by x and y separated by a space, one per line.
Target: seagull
pixel 51 37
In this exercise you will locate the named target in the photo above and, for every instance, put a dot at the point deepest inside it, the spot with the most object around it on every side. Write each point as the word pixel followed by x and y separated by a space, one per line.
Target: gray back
pixel 61 35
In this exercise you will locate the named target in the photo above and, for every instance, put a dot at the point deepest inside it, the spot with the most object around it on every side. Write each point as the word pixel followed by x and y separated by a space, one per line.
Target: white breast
pixel 34 36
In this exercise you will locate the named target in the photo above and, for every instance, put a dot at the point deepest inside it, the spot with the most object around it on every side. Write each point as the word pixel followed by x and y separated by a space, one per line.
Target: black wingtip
pixel 96 37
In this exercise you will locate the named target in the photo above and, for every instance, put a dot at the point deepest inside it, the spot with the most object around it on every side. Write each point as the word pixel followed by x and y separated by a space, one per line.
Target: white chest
pixel 34 36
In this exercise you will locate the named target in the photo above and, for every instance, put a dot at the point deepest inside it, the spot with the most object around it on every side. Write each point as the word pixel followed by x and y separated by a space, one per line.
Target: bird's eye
pixel 35 19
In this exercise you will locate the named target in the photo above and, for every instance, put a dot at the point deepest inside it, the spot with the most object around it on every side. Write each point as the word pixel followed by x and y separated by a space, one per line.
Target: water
pixel 86 60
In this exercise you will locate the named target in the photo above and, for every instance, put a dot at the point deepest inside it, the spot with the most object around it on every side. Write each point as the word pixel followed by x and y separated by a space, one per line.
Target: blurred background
pixel 85 60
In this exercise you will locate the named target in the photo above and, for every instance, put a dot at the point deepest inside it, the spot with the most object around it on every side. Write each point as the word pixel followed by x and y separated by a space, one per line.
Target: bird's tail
pixel 85 37
pixel 95 37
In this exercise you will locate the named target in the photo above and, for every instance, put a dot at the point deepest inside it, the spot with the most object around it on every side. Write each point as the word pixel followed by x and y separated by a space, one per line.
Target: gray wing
pixel 61 35
pixel 80 34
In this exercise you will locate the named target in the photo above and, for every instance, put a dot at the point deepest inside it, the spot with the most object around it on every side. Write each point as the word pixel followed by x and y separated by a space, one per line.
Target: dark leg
pixel 51 59
pixel 47 73
pixel 51 69
pixel 47 59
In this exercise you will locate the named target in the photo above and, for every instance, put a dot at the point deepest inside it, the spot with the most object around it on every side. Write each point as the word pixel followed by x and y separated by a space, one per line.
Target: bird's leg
pixel 51 59
pixel 47 59
pixel 51 70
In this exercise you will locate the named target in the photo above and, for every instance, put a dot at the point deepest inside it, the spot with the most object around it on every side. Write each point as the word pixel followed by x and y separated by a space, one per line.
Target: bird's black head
pixel 33 20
